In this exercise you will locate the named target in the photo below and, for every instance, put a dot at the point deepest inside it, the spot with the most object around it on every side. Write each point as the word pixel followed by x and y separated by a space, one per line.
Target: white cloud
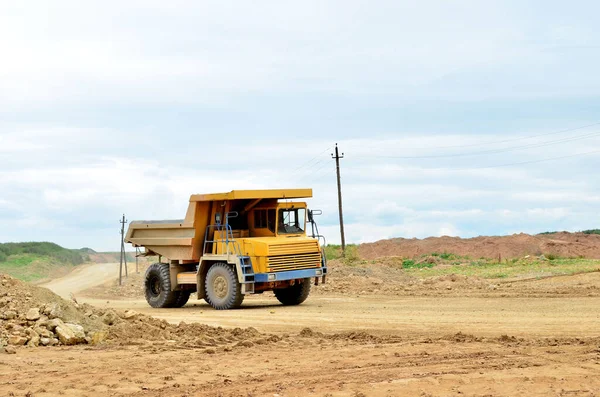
pixel 133 110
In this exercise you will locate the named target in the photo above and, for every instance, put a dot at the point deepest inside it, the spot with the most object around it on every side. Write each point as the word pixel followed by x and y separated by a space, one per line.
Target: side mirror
pixel 312 213
pixel 232 214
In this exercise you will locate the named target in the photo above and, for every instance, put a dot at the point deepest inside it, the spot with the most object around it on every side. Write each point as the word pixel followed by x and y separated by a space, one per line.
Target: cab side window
pixel 260 219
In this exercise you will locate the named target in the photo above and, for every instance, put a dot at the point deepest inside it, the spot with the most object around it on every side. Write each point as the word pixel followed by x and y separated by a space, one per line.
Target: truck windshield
pixel 291 221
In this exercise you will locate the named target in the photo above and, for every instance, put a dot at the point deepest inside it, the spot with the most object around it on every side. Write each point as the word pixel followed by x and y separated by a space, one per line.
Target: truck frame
pixel 230 245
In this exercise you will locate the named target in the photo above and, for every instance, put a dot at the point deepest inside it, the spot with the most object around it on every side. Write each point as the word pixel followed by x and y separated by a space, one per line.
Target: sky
pixel 459 118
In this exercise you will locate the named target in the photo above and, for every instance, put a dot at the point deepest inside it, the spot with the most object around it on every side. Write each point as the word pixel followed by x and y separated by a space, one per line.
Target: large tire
pixel 221 287
pixel 157 285
pixel 294 295
pixel 182 298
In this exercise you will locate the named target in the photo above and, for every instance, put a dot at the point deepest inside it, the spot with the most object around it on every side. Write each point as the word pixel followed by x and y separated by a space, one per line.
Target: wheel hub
pixel 220 287
pixel 155 286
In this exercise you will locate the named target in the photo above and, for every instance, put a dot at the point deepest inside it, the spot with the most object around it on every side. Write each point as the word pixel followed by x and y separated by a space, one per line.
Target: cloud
pixel 105 112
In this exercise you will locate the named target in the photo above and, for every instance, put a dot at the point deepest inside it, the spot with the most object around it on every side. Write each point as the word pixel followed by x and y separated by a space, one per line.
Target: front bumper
pixel 290 275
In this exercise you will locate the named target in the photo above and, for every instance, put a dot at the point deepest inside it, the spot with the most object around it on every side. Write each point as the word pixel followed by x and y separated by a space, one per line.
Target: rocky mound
pixel 506 247
pixel 36 317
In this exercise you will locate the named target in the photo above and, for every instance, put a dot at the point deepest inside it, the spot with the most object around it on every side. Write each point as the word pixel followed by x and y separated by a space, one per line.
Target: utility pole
pixel 123 259
pixel 337 158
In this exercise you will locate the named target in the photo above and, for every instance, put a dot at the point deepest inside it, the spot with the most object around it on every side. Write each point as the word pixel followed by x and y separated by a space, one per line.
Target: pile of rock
pixel 32 316
pixel 41 326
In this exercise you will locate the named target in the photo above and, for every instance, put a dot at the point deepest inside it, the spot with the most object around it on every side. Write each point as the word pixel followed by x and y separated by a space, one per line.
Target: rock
pixel 70 334
pixel 56 322
pixel 44 341
pixel 129 314
pixel 42 321
pixel 210 351
pixel 43 332
pixel 34 341
pixel 78 331
pixel 10 350
pixel 33 314
pixel 245 343
pixel 110 317
pixel 10 315
pixel 53 342
pixel 97 337
pixel 53 310
pixel 17 340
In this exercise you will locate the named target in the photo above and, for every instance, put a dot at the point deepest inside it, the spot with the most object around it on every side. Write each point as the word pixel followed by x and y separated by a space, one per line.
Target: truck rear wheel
pixel 295 294
pixel 157 285
pixel 222 289
pixel 182 298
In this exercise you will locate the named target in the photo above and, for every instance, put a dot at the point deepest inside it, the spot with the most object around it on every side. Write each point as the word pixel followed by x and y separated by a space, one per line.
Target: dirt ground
pixel 537 337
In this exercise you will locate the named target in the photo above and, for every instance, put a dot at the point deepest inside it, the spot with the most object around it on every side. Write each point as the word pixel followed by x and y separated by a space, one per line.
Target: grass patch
pixel 520 268
pixel 334 251
pixel 411 264
pixel 33 261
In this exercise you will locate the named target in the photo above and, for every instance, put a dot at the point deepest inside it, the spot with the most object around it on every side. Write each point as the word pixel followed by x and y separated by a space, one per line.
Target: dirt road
pixel 340 345
pixel 83 277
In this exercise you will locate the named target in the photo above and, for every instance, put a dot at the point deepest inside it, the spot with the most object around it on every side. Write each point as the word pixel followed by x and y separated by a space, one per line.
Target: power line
pixel 311 160
pixel 516 163
pixel 529 161
pixel 500 141
pixel 493 151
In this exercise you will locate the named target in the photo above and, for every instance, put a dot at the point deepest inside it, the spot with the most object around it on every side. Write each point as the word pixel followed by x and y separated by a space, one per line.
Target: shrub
pixel 411 264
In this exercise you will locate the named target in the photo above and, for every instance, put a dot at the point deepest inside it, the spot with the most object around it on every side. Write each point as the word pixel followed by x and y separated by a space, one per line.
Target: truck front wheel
pixel 222 289
pixel 295 294
pixel 157 284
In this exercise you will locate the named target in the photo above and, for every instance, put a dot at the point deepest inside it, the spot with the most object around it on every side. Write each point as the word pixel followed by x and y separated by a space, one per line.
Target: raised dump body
pixel 230 245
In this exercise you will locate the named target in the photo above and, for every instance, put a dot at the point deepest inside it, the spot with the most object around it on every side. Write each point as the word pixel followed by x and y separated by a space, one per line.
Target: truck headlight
pixel 319 272
pixel 272 277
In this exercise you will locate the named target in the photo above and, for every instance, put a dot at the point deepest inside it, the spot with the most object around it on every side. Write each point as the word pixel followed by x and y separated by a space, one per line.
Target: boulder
pixel 110 317
pixel 44 341
pixel 10 350
pixel 78 331
pixel 56 322
pixel 17 340
pixel 53 310
pixel 70 334
pixel 97 337
pixel 129 314
pixel 33 314
pixel 34 341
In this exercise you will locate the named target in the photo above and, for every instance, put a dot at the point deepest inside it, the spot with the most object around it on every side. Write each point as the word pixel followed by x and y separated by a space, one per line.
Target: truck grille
pixel 281 263
pixel 295 248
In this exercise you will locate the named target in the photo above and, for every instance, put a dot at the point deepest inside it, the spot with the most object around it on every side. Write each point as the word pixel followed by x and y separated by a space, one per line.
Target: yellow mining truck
pixel 230 245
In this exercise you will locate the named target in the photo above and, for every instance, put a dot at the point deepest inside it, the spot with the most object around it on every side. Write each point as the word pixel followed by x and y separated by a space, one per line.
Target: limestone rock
pixel 17 340
pixel 110 317
pixel 56 322
pixel 10 350
pixel 78 331
pixel 129 314
pixel 33 314
pixel 67 336
pixel 97 337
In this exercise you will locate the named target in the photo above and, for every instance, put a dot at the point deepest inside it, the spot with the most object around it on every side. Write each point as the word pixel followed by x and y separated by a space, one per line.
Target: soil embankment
pixel 563 244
